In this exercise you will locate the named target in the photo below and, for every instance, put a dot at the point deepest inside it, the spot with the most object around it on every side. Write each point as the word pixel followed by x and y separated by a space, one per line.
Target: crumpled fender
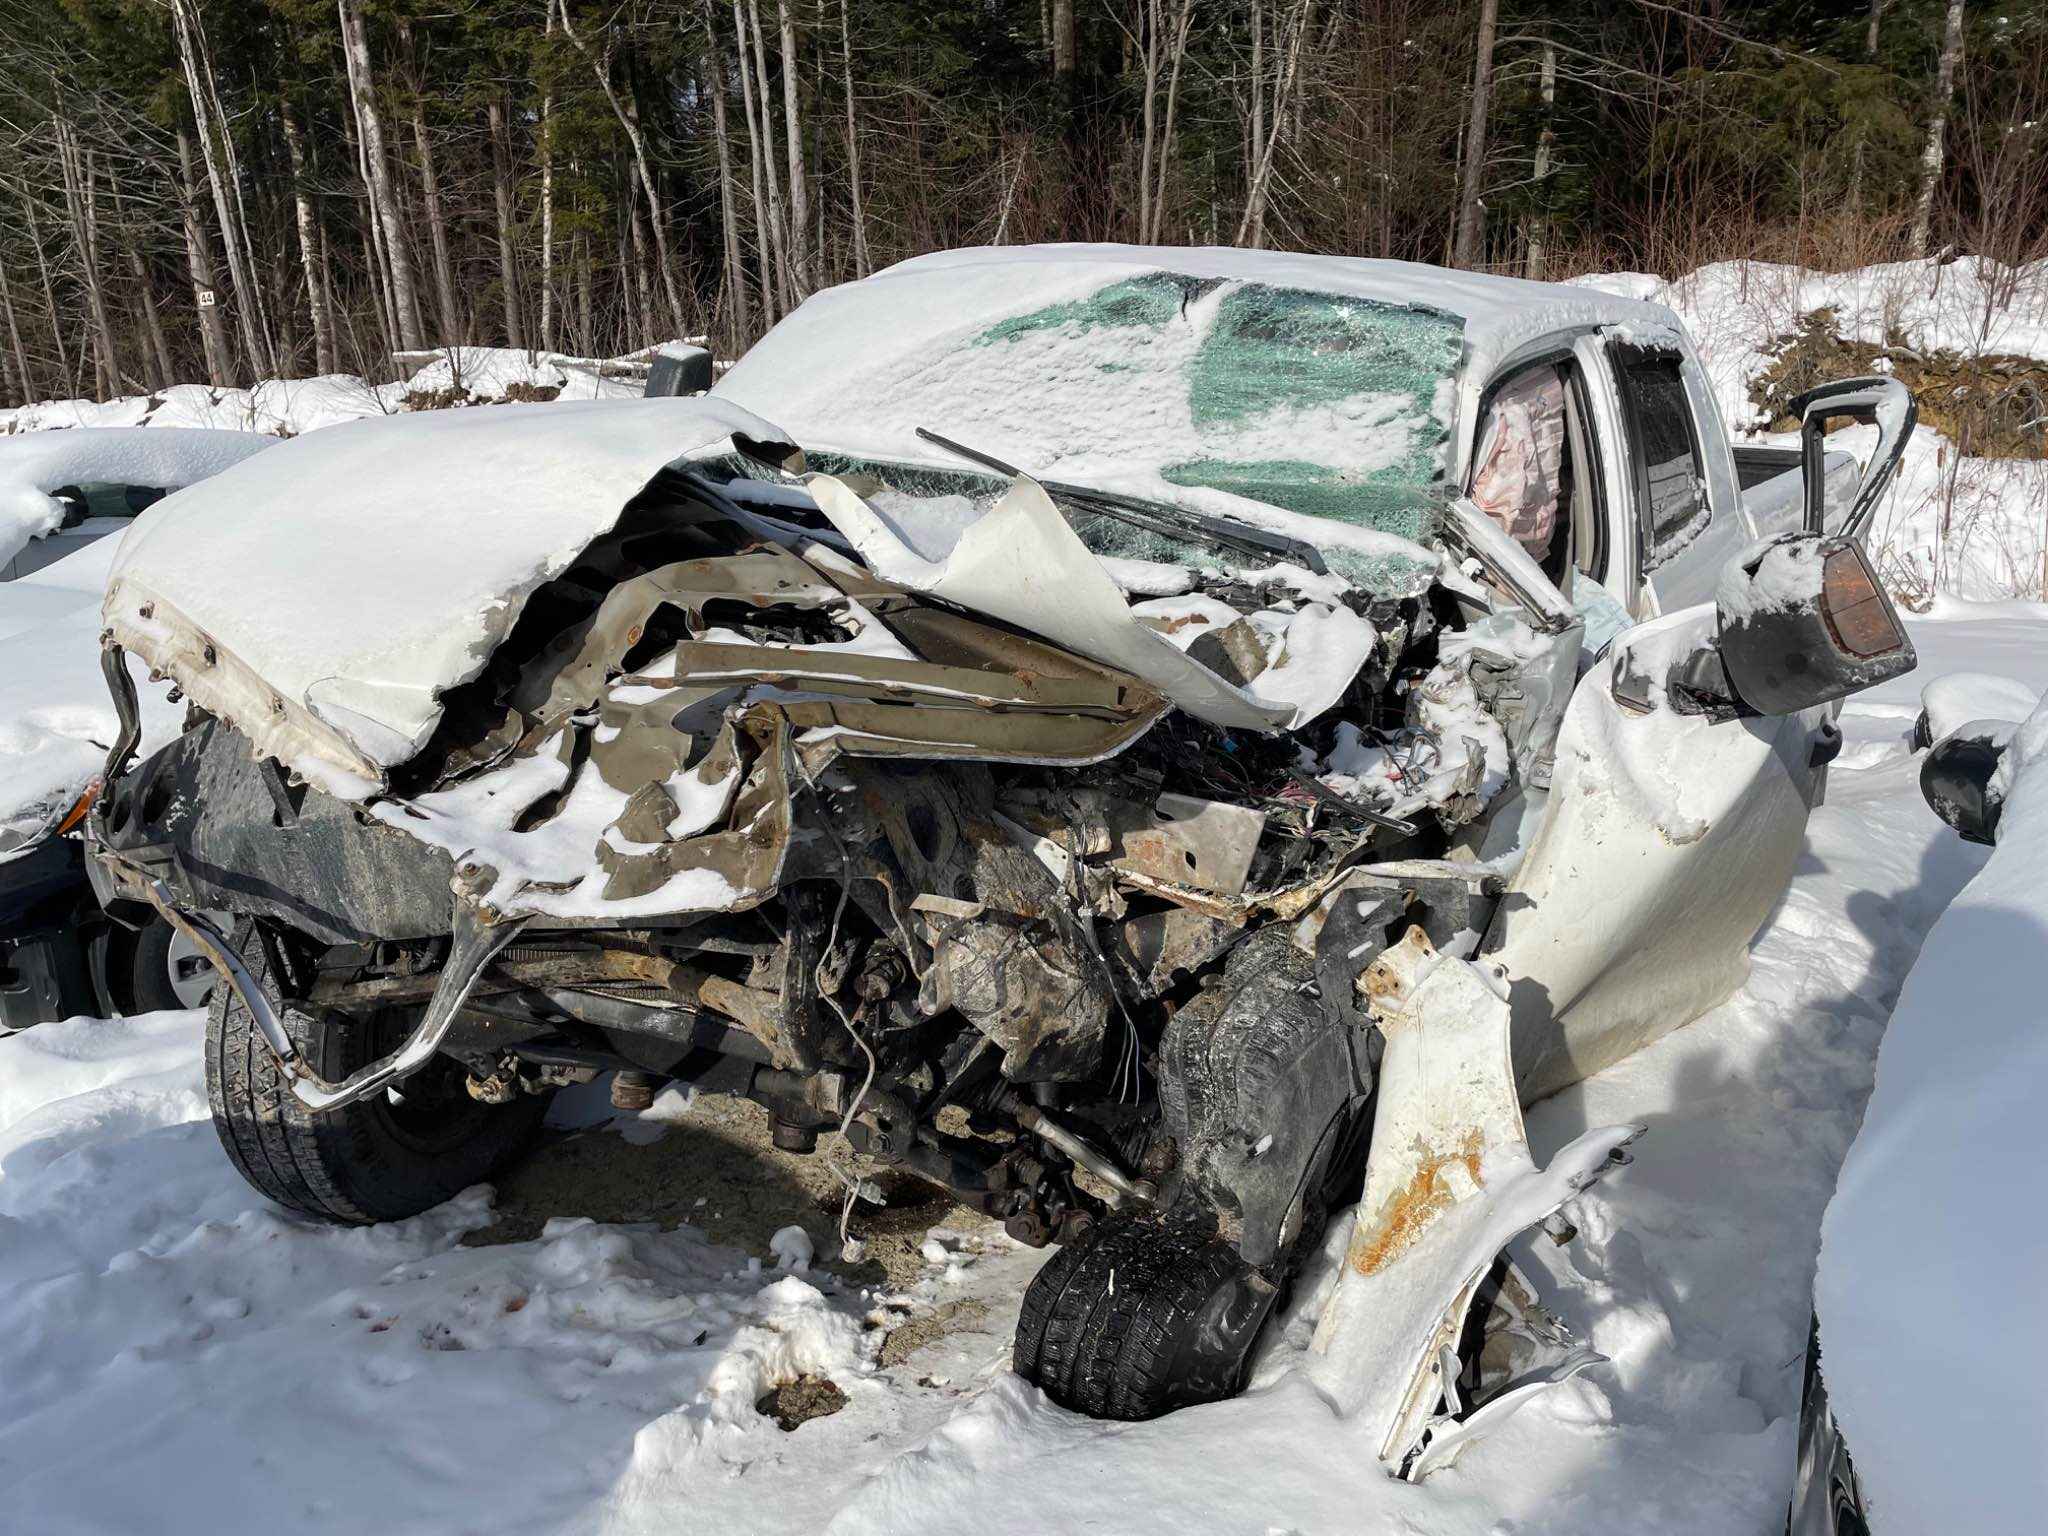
pixel 1449 1183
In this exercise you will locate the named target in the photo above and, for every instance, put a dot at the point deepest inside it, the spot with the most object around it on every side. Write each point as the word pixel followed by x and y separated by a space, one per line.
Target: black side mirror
pixel 1803 620
pixel 1956 779
pixel 686 374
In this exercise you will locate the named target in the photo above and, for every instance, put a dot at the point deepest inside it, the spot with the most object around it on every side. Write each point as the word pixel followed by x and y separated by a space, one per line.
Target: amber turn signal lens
pixel 80 809
pixel 1858 616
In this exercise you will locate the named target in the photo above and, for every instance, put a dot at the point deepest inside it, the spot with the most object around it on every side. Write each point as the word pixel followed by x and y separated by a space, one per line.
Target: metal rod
pixel 1050 1131
pixel 471 947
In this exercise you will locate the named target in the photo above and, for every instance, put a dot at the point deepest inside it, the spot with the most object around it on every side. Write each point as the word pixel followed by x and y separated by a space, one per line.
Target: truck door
pixel 1666 838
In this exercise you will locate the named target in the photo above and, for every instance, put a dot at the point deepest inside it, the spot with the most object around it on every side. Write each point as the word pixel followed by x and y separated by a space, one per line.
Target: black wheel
pixel 382 1159
pixel 1138 1318
pixel 155 969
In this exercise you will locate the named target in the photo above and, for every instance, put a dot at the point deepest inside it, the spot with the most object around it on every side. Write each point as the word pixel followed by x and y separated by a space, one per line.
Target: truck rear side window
pixel 1670 477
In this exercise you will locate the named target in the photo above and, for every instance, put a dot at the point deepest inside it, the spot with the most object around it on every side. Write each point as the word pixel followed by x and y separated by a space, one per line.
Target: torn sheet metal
pixel 1201 843
pixel 590 792
pixel 392 558
pixel 1021 563
pixel 1450 1181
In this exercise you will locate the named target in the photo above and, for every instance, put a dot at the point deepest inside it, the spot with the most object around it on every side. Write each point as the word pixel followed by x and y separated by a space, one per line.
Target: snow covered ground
pixel 175 1356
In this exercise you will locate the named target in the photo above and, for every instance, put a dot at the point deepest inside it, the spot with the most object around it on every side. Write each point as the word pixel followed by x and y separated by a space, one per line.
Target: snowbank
pixel 444 376
pixel 31 467
pixel 1933 1250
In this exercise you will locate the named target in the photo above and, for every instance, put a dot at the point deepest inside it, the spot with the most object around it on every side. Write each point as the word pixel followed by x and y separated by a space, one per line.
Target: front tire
pixel 1140 1317
pixel 381 1159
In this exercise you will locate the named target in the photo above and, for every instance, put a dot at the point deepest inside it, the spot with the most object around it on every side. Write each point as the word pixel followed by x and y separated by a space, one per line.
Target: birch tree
pixel 740 326
pixel 861 264
pixel 312 256
pixel 199 268
pixel 384 208
pixel 1251 229
pixel 502 200
pixel 766 244
pixel 223 175
pixel 1933 156
pixel 800 265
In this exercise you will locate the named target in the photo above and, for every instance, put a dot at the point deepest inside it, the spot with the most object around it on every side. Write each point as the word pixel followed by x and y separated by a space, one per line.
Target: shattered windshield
pixel 1317 403
pixel 1233 398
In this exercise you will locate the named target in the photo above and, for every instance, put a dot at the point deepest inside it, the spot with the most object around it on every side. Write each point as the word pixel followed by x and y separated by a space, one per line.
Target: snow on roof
pixel 1102 360
pixel 1500 313
pixel 32 466
pixel 323 596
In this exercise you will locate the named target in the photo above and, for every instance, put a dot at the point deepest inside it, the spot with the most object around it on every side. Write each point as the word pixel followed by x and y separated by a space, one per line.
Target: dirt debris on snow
pixel 791 1403
pixel 714 1168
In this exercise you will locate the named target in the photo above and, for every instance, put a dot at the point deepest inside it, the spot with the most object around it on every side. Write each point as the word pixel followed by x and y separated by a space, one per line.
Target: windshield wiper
pixel 1161 517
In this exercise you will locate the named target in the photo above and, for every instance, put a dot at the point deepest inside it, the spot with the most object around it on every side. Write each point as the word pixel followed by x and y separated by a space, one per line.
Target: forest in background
pixel 229 190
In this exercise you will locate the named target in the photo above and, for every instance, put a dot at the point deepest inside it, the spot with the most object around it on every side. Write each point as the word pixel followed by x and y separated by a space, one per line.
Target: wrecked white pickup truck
pixel 1089 751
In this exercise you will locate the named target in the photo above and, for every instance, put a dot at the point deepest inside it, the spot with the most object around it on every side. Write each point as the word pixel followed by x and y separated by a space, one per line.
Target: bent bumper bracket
pixel 471 948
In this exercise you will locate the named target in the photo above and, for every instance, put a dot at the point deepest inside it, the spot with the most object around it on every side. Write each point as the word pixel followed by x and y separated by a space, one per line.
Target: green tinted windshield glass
pixel 1330 406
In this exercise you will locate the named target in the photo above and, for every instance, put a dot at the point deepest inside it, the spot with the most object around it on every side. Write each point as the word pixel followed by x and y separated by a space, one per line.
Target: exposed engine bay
pixel 730 807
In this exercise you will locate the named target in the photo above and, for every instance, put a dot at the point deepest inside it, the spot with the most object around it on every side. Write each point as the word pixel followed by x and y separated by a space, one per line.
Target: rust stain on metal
pixel 1427 1195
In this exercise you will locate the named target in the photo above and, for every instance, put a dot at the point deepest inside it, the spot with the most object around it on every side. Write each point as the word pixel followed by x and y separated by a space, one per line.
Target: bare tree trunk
pixel 631 124
pixel 437 228
pixel 777 222
pixel 1183 23
pixel 213 332
pixel 1064 46
pixel 1252 229
pixel 1151 19
pixel 1870 39
pixel 501 187
pixel 741 323
pixel 861 264
pixel 801 266
pixel 372 235
pixel 586 335
pixel 223 174
pixel 162 372
pixel 766 245
pixel 452 328
pixel 76 169
pixel 1538 238
pixel 1931 158
pixel 547 212
pixel 35 240
pixel 21 368
pixel 312 257
pixel 1471 244
pixel 405 301
pixel 645 289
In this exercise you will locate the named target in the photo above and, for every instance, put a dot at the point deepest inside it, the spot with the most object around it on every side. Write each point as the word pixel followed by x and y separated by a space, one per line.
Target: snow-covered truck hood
pixel 34 464
pixel 324 596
